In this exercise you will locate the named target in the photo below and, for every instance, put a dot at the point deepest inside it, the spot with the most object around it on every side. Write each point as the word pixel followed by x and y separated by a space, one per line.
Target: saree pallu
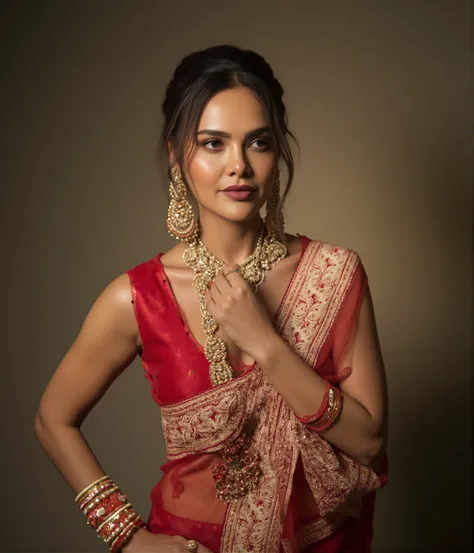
pixel 311 497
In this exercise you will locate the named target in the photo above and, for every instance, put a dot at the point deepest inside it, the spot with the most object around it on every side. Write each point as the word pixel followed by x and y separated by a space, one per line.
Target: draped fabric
pixel 312 498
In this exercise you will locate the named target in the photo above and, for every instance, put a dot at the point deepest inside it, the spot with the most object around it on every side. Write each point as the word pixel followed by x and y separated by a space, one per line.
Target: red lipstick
pixel 239 193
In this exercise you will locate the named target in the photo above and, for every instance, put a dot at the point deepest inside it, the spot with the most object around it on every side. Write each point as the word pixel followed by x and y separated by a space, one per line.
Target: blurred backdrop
pixel 378 95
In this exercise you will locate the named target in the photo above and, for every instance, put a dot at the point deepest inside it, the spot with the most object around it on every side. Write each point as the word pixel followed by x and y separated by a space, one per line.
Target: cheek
pixel 265 169
pixel 263 164
pixel 205 170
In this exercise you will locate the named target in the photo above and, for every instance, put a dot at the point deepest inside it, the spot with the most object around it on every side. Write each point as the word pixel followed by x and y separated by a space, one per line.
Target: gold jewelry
pixel 92 504
pixel 181 221
pixel 126 533
pixel 109 513
pixel 113 516
pixel 274 218
pixel 89 487
pixel 192 546
pixel 132 516
pixel 205 265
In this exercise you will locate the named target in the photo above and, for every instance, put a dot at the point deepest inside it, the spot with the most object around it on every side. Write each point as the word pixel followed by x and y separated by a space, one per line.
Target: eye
pixel 213 144
pixel 260 144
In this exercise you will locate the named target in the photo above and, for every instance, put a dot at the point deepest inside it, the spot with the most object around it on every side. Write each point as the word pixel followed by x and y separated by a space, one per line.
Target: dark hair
pixel 204 73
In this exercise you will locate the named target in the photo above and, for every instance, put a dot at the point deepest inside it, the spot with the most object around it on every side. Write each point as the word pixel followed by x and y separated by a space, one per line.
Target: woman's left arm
pixel 361 427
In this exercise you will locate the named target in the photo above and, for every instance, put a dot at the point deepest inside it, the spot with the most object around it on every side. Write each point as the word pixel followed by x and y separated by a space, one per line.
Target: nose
pixel 238 163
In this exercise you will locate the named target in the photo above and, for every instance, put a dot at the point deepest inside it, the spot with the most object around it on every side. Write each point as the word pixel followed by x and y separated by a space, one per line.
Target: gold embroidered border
pixel 265 508
pixel 315 297
pixel 320 529
pixel 201 424
pixel 346 264
pixel 250 523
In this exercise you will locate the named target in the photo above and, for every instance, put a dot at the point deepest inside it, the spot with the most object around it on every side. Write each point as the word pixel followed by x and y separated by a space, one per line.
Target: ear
pixel 171 153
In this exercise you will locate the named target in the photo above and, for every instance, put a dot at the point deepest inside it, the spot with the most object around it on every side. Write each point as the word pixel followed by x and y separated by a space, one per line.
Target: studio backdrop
pixel 378 96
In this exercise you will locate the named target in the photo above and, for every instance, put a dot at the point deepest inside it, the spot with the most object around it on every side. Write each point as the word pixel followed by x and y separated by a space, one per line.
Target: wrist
pixel 135 542
pixel 267 347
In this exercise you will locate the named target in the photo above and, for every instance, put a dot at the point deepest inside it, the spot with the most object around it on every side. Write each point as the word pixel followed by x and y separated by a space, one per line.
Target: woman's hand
pixel 235 307
pixel 144 541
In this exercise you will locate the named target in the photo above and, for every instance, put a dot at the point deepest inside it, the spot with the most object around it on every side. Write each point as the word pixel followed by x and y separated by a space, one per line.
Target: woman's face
pixel 233 148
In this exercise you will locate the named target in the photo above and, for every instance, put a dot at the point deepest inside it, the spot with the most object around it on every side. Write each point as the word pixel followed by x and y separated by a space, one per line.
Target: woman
pixel 260 347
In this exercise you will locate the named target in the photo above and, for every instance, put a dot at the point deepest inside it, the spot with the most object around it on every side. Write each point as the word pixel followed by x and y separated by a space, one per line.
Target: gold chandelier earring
pixel 181 221
pixel 274 219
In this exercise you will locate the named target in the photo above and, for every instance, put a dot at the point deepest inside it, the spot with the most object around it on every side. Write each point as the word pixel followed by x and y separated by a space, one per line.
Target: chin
pixel 240 214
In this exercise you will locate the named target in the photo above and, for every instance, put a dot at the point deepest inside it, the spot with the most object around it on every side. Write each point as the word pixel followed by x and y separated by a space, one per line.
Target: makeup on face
pixel 239 193
pixel 234 160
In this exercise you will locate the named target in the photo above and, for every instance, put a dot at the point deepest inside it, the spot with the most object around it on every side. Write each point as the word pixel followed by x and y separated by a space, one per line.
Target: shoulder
pixel 336 262
pixel 117 296
pixel 145 272
pixel 333 251
pixel 112 310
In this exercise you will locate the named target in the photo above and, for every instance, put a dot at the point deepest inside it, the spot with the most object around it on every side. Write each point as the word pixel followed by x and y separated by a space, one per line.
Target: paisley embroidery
pixel 312 303
pixel 205 422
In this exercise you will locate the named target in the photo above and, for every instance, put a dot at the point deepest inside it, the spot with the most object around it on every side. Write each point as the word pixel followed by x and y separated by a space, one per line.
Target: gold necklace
pixel 206 265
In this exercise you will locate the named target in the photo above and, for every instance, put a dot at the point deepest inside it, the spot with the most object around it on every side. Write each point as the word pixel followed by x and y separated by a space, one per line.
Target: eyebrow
pixel 222 134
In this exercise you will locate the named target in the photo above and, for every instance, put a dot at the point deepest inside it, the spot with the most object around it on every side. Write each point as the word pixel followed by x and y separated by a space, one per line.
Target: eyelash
pixel 205 143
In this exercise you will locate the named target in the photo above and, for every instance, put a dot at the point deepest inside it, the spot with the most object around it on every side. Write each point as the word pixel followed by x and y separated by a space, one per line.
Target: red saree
pixel 311 497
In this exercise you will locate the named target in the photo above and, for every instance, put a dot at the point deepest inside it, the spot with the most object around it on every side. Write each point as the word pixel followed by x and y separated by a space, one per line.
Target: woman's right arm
pixel 105 346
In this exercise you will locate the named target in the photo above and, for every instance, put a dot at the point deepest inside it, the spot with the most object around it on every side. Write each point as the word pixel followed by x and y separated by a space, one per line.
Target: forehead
pixel 235 110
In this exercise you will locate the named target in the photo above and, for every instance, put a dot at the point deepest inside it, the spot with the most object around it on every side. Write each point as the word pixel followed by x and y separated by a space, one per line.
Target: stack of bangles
pixel 108 512
pixel 328 411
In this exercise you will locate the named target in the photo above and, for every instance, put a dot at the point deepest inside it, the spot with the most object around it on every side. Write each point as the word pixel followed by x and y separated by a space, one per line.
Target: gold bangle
pixel 94 492
pixel 192 546
pixel 127 534
pixel 87 488
pixel 119 529
pixel 123 533
pixel 98 498
pixel 112 516
pixel 330 415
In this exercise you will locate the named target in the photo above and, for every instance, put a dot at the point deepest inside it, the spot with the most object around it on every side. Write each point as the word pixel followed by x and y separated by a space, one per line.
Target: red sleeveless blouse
pixel 183 501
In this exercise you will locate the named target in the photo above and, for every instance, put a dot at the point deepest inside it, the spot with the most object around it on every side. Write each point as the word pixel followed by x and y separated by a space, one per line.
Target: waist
pixel 187 491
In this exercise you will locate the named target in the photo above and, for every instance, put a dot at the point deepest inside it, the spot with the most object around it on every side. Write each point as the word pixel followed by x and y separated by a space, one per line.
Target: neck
pixel 229 241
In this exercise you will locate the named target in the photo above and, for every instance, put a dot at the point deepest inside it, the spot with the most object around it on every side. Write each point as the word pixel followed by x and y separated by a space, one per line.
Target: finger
pixel 221 283
pixel 230 270
pixel 209 298
pixel 233 275
pixel 200 547
pixel 211 305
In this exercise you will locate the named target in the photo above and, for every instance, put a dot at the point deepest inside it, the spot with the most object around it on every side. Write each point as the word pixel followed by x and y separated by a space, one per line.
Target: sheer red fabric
pixel 184 501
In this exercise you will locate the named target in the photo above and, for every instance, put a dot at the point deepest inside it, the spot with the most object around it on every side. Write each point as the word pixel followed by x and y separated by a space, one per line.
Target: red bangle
pixel 126 535
pixel 105 508
pixel 330 416
pixel 94 492
pixel 107 511
pixel 114 528
pixel 322 408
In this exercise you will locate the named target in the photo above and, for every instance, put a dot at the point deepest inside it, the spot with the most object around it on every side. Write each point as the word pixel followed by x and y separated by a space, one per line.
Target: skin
pixel 109 339
pixel 230 228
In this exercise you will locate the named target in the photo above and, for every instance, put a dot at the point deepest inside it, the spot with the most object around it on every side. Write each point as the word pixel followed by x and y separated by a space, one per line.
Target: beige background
pixel 378 95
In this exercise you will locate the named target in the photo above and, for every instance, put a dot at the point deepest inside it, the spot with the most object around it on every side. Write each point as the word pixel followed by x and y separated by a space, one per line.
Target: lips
pixel 239 193
pixel 237 188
